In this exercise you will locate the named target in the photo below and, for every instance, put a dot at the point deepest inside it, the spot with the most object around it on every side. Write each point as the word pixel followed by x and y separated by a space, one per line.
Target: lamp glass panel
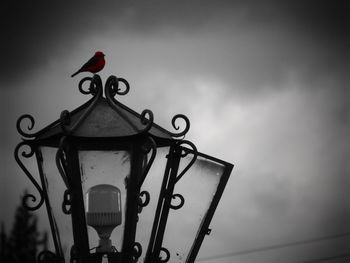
pixel 55 189
pixel 152 185
pixel 104 178
pixel 198 187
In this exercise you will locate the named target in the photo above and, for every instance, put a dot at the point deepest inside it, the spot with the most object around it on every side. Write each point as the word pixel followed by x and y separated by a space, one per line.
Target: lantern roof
pixel 104 117
pixel 101 120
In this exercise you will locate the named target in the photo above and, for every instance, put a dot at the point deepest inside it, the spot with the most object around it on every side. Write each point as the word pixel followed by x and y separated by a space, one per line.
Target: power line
pixel 261 249
pixel 327 258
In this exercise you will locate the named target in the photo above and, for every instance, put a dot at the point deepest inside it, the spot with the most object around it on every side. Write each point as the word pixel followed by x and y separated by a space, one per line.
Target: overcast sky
pixel 263 83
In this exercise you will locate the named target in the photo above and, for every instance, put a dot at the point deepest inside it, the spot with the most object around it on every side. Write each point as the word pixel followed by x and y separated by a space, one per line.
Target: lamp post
pixel 118 187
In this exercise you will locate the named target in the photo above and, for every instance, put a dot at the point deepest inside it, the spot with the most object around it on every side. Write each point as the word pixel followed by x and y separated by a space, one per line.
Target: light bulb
pixel 103 203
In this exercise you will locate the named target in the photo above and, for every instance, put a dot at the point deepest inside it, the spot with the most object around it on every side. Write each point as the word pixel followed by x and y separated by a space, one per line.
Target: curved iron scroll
pixel 29 127
pixel 167 255
pixel 48 256
pixel 136 252
pixel 187 126
pixel 95 85
pixel 61 166
pixel 73 254
pixel 149 145
pixel 147 121
pixel 147 198
pixel 112 89
pixel 112 86
pixel 185 153
pixel 142 203
pixel 182 201
pixel 95 89
pixel 60 162
pixel 67 202
pixel 31 178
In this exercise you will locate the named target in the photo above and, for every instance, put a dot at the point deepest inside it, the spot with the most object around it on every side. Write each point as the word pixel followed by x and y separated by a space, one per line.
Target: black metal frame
pixel 139 145
pixel 204 228
pixel 171 177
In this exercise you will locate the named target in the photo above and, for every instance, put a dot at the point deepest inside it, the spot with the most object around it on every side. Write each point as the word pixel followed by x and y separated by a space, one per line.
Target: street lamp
pixel 118 187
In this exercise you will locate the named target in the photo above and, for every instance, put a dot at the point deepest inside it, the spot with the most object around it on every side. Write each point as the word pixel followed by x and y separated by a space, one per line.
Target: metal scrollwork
pixel 80 85
pixel 94 87
pixel 31 178
pixel 147 121
pixel 74 254
pixel 111 89
pixel 96 90
pixel 142 203
pixel 167 255
pixel 127 87
pixel 67 202
pixel 185 153
pixel 136 252
pixel 48 256
pixel 29 127
pixel 146 148
pixel 65 121
pixel 61 166
pixel 187 126
pixel 178 206
pixel 112 86
pixel 61 162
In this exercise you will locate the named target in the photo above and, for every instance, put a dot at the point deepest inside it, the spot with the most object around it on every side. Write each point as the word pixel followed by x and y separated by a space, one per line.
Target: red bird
pixel 95 64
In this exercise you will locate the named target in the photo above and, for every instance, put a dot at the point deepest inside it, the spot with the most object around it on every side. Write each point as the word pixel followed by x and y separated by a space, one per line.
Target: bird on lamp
pixel 94 64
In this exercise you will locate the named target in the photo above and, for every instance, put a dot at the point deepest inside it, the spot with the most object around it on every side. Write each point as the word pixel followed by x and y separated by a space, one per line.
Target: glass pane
pixel 197 187
pixel 104 177
pixel 152 185
pixel 55 188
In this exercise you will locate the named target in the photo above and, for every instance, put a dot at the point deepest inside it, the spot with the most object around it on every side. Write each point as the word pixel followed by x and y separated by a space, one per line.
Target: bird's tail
pixel 76 73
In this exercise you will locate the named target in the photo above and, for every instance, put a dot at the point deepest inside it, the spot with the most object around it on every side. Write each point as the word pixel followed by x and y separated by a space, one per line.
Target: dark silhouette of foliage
pixel 3 243
pixel 24 240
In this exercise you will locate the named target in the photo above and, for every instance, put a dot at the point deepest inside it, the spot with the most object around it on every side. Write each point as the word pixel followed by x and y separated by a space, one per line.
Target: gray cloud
pixel 36 31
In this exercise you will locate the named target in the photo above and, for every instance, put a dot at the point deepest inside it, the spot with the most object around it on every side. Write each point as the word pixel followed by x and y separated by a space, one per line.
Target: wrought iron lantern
pixel 118 187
